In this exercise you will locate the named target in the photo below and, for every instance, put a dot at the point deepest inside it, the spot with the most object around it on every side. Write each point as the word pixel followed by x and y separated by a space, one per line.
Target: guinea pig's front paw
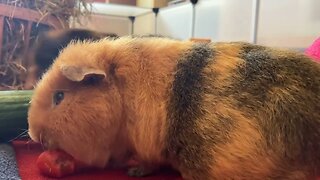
pixel 140 171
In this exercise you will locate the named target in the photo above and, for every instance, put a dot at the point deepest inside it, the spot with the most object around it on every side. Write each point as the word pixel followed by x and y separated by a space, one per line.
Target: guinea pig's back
pixel 255 111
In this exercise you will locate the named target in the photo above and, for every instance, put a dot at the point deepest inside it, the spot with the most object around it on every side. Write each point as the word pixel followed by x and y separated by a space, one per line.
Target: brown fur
pixel 202 108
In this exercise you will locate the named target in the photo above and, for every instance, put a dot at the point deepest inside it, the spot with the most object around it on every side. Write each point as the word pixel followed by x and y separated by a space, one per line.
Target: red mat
pixel 27 154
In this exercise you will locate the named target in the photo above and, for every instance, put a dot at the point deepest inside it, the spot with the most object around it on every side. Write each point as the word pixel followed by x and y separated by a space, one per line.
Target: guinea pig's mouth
pixel 47 143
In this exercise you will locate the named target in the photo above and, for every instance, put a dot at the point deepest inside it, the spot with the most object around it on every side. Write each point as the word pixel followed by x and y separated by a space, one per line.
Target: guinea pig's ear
pixel 79 74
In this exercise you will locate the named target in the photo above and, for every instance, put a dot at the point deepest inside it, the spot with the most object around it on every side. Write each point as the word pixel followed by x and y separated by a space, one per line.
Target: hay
pixel 62 9
pixel 13 58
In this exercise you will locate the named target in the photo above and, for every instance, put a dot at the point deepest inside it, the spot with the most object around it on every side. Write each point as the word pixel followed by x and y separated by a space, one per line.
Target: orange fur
pixel 245 145
pixel 226 62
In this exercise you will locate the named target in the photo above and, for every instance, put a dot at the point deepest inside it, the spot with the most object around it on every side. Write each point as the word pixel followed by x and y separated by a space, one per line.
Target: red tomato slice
pixel 56 163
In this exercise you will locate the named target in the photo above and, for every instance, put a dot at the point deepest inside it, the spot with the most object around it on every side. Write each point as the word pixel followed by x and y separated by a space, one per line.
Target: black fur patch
pixel 289 118
pixel 185 106
pixel 257 76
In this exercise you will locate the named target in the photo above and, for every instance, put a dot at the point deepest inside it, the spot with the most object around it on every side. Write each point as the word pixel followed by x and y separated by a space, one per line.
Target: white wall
pixel 144 24
pixel 219 20
pixel 175 21
pixel 115 18
pixel 223 20
pixel 282 23
pixel 103 23
pixel 289 23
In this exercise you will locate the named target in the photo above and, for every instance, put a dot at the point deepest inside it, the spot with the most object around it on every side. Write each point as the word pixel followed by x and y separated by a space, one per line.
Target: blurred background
pixel 281 23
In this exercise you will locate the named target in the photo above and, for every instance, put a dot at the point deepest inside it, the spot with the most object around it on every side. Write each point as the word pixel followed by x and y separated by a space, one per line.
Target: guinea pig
pixel 219 110
pixel 48 46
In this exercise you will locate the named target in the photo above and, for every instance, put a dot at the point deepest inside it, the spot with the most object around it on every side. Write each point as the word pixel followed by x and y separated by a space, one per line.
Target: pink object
pixel 314 50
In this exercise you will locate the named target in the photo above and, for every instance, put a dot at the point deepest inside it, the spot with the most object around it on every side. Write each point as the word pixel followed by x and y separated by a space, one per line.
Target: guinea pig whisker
pixel 29 140
pixel 23 134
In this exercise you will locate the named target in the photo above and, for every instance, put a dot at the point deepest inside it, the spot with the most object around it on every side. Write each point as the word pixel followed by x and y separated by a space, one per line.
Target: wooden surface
pixel 27 33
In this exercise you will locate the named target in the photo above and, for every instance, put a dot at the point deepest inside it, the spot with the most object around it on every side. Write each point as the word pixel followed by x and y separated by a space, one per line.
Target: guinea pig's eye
pixel 58 97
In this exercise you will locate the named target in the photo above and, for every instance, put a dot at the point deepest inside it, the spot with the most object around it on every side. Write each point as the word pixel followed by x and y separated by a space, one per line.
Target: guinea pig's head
pixel 77 106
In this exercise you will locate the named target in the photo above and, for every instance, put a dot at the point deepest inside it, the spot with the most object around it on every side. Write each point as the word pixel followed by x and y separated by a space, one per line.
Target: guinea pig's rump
pixel 255 111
